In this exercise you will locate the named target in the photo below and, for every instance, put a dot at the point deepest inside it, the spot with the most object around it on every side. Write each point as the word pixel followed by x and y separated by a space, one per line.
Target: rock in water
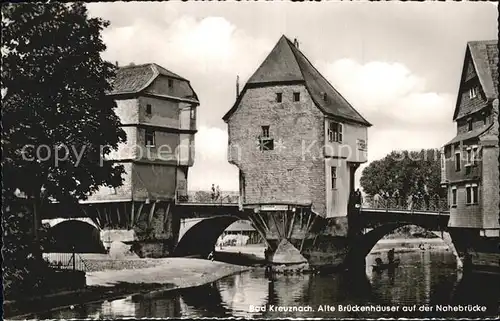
pixel 287 254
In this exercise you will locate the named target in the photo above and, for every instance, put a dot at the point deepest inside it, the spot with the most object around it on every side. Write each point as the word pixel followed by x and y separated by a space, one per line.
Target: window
pixel 265 131
pixel 472 193
pixel 485 118
pixel 296 96
pixel 170 83
pixel 469 124
pixel 325 97
pixel 469 156
pixel 265 142
pixel 192 113
pixel 335 132
pixel 334 177
pixel 457 161
pixel 454 196
pixel 148 109
pixel 279 97
pixel 473 92
pixel 474 155
pixel 150 137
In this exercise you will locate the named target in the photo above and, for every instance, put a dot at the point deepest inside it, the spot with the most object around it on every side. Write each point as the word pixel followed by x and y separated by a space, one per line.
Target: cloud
pixel 389 94
pixel 404 114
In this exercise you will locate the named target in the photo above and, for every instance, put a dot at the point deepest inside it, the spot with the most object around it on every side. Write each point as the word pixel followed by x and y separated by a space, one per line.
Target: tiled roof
pixel 484 56
pixel 133 79
pixel 468 135
pixel 286 63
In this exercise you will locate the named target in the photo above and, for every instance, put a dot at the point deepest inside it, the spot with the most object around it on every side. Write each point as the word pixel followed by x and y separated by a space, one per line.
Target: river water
pixel 426 279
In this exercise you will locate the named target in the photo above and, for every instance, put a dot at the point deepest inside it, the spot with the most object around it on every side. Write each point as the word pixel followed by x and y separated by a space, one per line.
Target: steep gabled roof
pixel 287 64
pixel 135 78
pixel 484 56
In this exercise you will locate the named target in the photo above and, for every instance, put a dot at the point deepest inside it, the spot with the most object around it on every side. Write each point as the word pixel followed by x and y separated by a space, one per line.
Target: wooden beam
pixel 104 223
pixel 132 215
pixel 167 212
pixel 139 212
pixel 151 213
pixel 290 230
pixel 125 215
pixel 263 221
pixel 308 229
pixel 285 219
pixel 276 224
pixel 258 230
pixel 118 212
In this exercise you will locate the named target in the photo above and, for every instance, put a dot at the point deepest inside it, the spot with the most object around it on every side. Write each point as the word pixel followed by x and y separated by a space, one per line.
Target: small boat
pixel 384 266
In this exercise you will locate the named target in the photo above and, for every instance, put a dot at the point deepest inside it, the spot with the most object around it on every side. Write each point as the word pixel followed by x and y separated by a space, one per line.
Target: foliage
pixel 58 123
pixel 404 173
pixel 22 272
pixel 54 84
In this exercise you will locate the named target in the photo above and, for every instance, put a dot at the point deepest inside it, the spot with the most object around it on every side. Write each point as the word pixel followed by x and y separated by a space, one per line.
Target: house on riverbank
pixel 470 163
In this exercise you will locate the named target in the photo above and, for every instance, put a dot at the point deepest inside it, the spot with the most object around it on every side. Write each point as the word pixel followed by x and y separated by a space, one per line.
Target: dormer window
pixel 325 97
pixel 148 109
pixel 473 92
pixel 296 96
pixel 469 124
pixel 279 97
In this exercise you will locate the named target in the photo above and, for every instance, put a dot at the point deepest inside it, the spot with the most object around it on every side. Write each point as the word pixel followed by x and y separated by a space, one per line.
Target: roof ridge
pixel 294 48
pixel 134 66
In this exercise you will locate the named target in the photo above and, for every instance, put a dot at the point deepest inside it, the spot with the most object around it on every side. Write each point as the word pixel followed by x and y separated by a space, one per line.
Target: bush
pixel 22 272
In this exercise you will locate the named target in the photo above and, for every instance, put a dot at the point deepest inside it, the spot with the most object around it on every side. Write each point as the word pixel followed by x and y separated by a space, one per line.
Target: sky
pixel 397 63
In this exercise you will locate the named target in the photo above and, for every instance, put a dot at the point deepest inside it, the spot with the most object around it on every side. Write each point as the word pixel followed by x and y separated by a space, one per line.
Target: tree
pixel 404 172
pixel 58 122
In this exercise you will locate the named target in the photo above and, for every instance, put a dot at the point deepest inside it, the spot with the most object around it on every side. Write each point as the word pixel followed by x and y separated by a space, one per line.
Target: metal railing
pixel 406 204
pixel 66 261
pixel 224 199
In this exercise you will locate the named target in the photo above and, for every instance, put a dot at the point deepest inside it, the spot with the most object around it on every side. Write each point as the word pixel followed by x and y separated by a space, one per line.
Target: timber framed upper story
pixel 295 139
pixel 470 164
pixel 157 111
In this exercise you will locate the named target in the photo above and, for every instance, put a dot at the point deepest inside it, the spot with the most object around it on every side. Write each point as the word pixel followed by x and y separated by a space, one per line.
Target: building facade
pixel 294 138
pixel 470 166
pixel 297 143
pixel 157 110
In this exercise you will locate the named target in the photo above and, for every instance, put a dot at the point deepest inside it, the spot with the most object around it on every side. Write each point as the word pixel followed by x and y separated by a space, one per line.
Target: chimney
pixel 237 86
pixel 296 43
pixel 116 64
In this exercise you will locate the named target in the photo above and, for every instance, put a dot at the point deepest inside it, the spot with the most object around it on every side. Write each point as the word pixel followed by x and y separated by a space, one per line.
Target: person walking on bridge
pixel 390 256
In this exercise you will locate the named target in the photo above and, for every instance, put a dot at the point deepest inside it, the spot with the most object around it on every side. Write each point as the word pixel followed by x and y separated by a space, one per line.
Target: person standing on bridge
pixel 358 199
pixel 213 192
pixel 217 193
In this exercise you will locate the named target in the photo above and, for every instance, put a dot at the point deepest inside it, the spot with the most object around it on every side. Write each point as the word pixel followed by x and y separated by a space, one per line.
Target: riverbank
pixel 167 274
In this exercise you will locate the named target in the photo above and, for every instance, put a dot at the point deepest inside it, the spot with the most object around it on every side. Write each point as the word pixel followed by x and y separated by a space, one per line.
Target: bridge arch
pixel 79 234
pixel 364 243
pixel 200 239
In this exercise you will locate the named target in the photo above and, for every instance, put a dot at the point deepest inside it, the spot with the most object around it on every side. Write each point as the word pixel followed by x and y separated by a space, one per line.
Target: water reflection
pixel 422 278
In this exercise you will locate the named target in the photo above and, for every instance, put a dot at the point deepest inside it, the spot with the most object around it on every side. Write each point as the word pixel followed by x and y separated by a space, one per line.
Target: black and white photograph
pixel 250 159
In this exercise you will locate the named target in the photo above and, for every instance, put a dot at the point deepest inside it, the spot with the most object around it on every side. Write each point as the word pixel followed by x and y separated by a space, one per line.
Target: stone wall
pixel 294 172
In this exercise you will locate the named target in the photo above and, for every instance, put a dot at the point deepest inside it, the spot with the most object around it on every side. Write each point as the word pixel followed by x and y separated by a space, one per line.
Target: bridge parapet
pixel 399 203
pixel 193 199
